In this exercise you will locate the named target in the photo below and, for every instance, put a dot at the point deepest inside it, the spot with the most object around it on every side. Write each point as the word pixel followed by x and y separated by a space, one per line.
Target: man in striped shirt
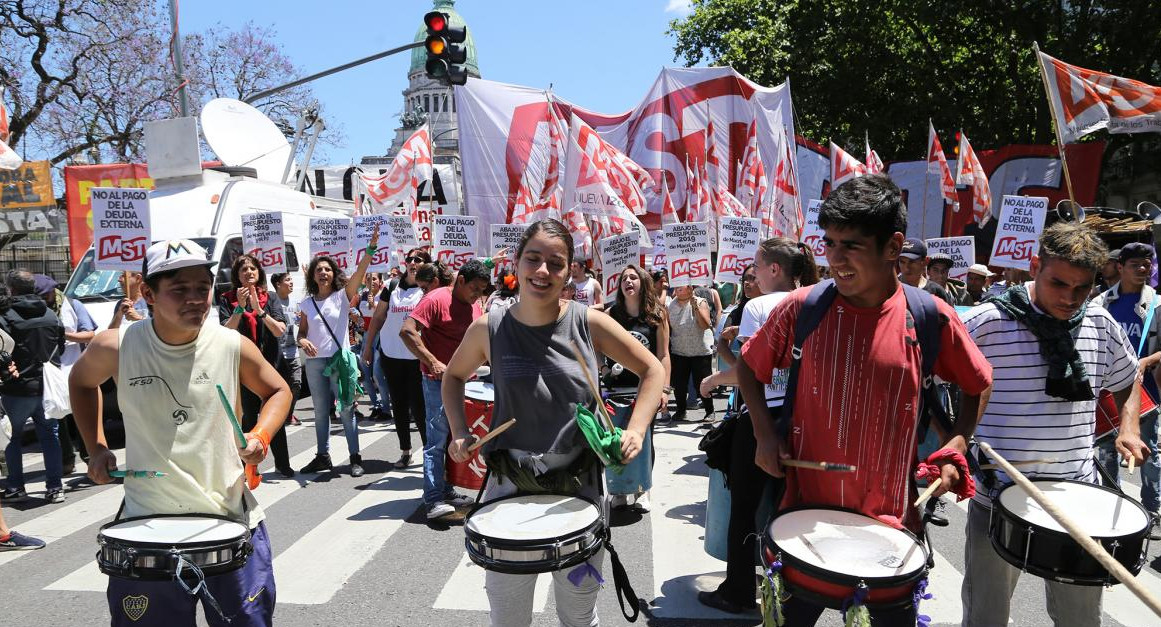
pixel 1051 355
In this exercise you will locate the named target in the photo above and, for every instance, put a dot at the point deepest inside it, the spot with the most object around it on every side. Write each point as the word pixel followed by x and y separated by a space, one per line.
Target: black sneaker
pixel 285 471
pixel 356 465
pixel 715 600
pixel 1155 528
pixel 935 514
pixel 55 496
pixel 14 495
pixel 318 464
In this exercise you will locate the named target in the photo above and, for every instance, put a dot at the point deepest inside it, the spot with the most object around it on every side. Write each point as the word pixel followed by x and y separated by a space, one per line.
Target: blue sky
pixel 600 54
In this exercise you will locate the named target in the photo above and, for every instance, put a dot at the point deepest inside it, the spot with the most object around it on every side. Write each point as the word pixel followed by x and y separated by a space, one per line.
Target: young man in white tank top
pixel 168 369
pixel 588 289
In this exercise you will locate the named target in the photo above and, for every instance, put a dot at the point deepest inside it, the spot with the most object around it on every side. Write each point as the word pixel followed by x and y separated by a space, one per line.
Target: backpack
pixel 928 328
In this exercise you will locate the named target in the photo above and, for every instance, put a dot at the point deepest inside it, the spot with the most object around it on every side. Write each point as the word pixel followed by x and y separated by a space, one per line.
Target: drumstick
pixel 140 474
pixel 1088 544
pixel 491 434
pixel 593 387
pixel 931 488
pixel 831 466
pixel 1132 464
pixel 252 476
pixel 1026 462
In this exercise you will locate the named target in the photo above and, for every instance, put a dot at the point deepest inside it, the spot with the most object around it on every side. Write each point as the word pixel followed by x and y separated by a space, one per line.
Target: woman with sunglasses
pixel 400 369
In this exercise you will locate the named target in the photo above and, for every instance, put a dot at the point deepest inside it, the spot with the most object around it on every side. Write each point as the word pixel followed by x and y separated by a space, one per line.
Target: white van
pixel 208 208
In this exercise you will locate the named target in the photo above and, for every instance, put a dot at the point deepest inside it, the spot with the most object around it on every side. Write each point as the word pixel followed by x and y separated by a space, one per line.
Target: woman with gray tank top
pixel 538 381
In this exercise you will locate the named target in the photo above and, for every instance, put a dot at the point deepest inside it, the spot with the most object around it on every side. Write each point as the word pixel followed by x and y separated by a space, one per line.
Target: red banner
pixel 79 180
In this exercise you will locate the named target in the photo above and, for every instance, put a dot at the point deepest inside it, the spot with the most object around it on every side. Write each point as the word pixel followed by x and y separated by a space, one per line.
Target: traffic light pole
pixel 295 83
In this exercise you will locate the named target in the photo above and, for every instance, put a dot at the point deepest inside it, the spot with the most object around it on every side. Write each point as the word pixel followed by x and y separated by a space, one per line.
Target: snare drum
pixel 533 533
pixel 1108 422
pixel 151 547
pixel 479 397
pixel 826 553
pixel 1029 539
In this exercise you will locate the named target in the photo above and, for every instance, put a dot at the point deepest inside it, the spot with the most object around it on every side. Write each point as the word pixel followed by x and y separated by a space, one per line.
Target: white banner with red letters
pixel 455 239
pixel 962 251
pixel 1018 231
pixel 688 249
pixel 617 252
pixel 812 233
pixel 503 236
pixel 120 227
pixel 332 237
pixel 364 228
pixel 262 237
pixel 737 244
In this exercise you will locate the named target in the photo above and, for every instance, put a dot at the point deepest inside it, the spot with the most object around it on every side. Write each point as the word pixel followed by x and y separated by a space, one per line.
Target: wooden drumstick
pixel 832 467
pixel 1088 544
pixel 491 434
pixel 931 488
pixel 1132 464
pixel 593 387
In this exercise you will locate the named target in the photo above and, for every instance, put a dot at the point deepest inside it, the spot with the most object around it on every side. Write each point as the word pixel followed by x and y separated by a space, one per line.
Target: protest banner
pixel 617 252
pixel 262 237
pixel 962 251
pixel 505 236
pixel 455 239
pixel 1018 231
pixel 402 232
pixel 364 228
pixel 812 234
pixel 660 256
pixel 737 244
pixel 120 227
pixel 688 249
pixel 27 200
pixel 331 237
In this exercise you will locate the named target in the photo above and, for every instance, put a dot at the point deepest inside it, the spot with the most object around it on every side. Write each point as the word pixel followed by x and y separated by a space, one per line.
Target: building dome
pixel 419 55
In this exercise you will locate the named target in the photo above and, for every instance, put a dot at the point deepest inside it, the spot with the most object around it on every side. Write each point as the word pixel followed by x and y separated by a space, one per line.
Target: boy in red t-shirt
pixel 858 389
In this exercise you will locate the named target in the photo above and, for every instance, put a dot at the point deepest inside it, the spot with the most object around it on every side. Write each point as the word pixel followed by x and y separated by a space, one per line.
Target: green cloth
pixel 344 363
pixel 606 444
pixel 1066 373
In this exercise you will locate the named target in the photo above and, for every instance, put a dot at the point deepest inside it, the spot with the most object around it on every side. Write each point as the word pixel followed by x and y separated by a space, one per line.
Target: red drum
pixel 1107 420
pixel 478 400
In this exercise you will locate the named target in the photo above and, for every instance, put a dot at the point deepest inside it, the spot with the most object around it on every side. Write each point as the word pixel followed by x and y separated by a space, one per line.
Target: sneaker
pixel 318 464
pixel 1155 528
pixel 385 416
pixel 14 495
pixel 69 468
pixel 404 461
pixel 935 514
pixel 663 417
pixel 695 403
pixel 285 471
pixel 642 503
pixel 356 465
pixel 455 499
pixel 55 496
pixel 20 542
pixel 715 600
pixel 436 511
pixel 678 416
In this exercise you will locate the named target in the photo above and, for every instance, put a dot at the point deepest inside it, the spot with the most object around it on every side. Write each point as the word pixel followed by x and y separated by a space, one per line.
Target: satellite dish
pixel 1068 210
pixel 241 136
pixel 1148 210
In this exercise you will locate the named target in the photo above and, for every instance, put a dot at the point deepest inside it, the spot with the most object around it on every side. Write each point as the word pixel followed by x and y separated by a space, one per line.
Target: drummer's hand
pixel 706 385
pixel 729 333
pixel 769 458
pixel 101 462
pixel 254 452
pixel 367 354
pixel 951 478
pixel 630 445
pixel 1131 445
pixel 458 449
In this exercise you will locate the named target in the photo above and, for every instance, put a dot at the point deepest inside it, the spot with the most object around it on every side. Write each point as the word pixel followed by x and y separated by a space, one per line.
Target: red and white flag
pixel 533 201
pixel 968 171
pixel 582 237
pixel 873 162
pixel 399 184
pixel 1084 101
pixel 695 209
pixel 9 160
pixel 597 181
pixel 843 167
pixel 751 185
pixel 668 211
pixel 716 168
pixel 784 215
pixel 3 118
pixel 937 164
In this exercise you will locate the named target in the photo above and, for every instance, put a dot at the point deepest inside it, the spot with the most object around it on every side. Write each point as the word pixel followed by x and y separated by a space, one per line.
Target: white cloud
pixel 680 7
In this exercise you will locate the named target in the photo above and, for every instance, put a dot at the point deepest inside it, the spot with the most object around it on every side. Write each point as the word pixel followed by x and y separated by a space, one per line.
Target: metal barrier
pixel 50 259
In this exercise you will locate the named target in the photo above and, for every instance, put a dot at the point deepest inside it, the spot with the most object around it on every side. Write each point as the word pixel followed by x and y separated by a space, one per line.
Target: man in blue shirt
pixel 1129 301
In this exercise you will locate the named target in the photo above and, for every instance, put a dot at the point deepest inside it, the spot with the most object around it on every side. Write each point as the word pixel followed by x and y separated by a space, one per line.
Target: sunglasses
pixel 415 259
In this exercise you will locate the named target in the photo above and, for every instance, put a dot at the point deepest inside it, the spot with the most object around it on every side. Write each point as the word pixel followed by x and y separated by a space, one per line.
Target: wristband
pixel 239 310
pixel 488 263
pixel 371 248
pixel 260 315
pixel 263 437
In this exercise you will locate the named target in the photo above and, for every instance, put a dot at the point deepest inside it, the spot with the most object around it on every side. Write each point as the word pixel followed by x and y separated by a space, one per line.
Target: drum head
pixel 848 543
pixel 175 530
pixel 532 517
pixel 1099 511
pixel 480 391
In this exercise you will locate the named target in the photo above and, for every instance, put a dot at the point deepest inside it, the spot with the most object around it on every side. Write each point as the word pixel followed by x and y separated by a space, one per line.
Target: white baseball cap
pixel 980 269
pixel 174 254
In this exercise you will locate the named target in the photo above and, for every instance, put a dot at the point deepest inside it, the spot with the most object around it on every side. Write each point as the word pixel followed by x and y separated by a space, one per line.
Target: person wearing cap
pixel 1110 273
pixel 939 272
pixel 913 269
pixel 974 285
pixel 171 369
pixel 1130 300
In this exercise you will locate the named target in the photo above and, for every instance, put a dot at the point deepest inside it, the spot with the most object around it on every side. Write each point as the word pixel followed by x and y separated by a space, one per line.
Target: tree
pixel 886 67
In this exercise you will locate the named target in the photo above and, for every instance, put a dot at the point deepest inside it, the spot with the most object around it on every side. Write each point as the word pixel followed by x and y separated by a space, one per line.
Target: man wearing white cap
pixel 168 369
pixel 974 283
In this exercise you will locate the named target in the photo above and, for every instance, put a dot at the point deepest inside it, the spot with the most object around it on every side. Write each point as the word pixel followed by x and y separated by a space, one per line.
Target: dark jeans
pixel 405 387
pixel 251 404
pixel 683 367
pixel 800 612
pixel 71 442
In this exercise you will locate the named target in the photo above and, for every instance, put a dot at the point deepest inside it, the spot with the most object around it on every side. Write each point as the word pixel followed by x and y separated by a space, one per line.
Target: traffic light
pixel 446 52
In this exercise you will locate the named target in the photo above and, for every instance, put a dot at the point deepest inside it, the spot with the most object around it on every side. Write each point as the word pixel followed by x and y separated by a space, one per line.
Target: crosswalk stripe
pixel 67 520
pixel 90 578
pixel 464 590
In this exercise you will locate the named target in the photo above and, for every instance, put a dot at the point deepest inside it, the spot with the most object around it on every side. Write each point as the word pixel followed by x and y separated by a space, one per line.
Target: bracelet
pixel 263 437
pixel 260 315
pixel 239 310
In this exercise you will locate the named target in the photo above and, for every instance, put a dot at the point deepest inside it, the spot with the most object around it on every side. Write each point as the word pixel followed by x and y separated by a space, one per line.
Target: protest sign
pixel 262 238
pixel 737 244
pixel 505 236
pixel 617 252
pixel 1018 231
pixel 364 228
pixel 812 234
pixel 402 231
pixel 962 251
pixel 455 239
pixel 688 249
pixel 120 227
pixel 660 256
pixel 331 237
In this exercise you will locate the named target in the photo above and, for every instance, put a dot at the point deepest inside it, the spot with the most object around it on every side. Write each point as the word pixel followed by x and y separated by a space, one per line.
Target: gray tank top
pixel 539 382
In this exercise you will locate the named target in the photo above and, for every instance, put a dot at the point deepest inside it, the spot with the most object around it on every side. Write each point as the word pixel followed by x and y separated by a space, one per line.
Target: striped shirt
pixel 1022 422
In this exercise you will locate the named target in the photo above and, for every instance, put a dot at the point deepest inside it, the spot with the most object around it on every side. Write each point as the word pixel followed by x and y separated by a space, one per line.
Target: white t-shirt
pixel 403 302
pixel 1022 422
pixel 335 307
pixel 586 291
pixel 753 317
pixel 72 350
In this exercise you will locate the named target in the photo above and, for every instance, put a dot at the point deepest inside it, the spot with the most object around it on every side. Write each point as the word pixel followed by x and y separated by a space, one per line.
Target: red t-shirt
pixel 444 320
pixel 857 399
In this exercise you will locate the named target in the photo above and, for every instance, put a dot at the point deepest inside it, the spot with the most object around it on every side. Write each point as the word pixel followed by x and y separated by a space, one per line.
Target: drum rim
pixel 829 576
pixel 104 540
pixel 596 527
pixel 1004 511
pixel 1063 576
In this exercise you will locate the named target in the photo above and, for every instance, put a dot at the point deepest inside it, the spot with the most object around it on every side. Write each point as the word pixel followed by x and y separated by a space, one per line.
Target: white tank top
pixel 586 291
pixel 175 423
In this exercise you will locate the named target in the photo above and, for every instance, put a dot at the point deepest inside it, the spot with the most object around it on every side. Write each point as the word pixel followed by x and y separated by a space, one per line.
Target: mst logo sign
pixel 1015 248
pixel 114 247
pixel 815 244
pixel 693 268
pixel 734 264
pixel 267 256
pixel 453 258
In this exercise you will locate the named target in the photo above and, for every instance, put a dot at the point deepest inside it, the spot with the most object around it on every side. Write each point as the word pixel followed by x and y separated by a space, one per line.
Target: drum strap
pixel 200 587
pixel 624 589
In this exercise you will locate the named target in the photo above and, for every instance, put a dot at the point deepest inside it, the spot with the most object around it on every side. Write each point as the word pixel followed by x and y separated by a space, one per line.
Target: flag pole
pixel 927 179
pixel 1055 123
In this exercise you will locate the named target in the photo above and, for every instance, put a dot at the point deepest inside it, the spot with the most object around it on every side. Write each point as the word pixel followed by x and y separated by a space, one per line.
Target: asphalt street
pixel 361 552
